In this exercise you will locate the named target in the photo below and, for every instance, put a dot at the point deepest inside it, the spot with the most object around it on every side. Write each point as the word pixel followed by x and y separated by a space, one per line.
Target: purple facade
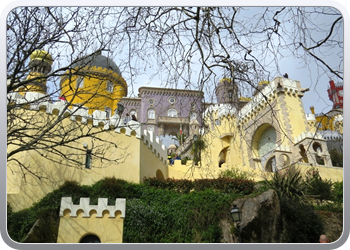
pixel 165 111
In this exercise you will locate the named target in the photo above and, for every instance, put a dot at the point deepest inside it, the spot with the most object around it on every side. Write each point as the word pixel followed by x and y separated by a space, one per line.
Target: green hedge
pixel 226 185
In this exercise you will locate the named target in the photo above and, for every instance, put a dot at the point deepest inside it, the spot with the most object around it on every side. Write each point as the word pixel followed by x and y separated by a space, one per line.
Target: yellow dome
pixel 96 82
pixel 41 55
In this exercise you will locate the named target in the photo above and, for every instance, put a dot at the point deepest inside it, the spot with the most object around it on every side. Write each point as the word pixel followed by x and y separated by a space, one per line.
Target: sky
pixel 309 76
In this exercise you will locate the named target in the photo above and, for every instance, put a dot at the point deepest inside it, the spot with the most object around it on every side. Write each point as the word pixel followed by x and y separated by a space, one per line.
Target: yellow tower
pixel 40 65
pixel 94 82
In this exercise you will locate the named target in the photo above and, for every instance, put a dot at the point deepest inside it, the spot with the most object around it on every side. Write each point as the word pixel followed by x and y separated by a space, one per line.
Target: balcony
pixel 173 120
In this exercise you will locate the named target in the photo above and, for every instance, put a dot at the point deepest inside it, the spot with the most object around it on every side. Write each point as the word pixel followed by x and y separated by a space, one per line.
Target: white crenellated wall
pixel 258 102
pixel 84 205
pixel 307 135
pixel 222 109
pixel 98 118
pixel 154 143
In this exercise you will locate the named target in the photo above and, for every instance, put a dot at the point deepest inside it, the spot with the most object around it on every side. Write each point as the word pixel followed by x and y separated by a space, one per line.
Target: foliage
pixel 336 157
pixel 318 188
pixel 226 185
pixel 154 214
pixel 337 193
pixel 236 173
pixel 197 146
pixel 289 183
pixel 301 223
pixel 165 211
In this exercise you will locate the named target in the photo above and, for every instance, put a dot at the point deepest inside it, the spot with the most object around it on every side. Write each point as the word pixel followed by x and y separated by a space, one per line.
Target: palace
pixel 261 134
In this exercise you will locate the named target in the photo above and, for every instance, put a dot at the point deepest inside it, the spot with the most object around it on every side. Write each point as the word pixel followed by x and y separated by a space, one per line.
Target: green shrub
pixel 301 223
pixel 289 183
pixel 236 173
pixel 226 185
pixel 337 193
pixel 336 157
pixel 319 188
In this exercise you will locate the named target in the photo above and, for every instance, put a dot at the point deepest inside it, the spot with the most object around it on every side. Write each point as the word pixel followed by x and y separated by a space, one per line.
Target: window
pixel 172 112
pixel 88 158
pixel 267 141
pixel 217 122
pixel 193 116
pixel 108 112
pixel 172 100
pixel 151 114
pixel 271 165
pixel 110 86
pixel 230 94
pixel 80 82
pixel 151 102
pixel 133 113
pixel 150 128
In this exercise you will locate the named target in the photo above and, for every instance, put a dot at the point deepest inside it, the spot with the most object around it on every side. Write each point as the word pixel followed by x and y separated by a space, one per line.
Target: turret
pixel 227 91
pixel 335 94
pixel 94 82
pixel 40 66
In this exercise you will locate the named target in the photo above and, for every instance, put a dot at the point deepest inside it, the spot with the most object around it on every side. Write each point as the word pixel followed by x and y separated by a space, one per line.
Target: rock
pixel 333 224
pixel 261 218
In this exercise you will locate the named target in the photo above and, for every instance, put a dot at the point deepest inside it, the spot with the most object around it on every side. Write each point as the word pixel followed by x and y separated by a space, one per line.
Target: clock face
pixel 340 93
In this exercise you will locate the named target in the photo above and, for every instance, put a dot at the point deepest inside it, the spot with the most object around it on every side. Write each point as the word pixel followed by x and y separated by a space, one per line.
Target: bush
pixel 289 183
pixel 236 173
pixel 301 223
pixel 337 193
pixel 336 158
pixel 318 188
pixel 226 185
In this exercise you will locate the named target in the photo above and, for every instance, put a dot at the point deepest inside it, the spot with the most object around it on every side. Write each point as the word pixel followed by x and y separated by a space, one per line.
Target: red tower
pixel 335 94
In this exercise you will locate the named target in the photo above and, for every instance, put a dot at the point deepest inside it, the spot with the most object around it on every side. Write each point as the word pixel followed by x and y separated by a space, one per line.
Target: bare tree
pixel 66 34
pixel 185 47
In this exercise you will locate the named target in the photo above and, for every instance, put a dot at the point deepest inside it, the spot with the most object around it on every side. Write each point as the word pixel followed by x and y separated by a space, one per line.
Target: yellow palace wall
pixel 132 154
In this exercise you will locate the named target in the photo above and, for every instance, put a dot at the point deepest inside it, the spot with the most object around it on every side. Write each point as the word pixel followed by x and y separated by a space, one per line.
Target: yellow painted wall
pixel 149 163
pixel 295 114
pixel 94 94
pixel 72 230
pixel 129 155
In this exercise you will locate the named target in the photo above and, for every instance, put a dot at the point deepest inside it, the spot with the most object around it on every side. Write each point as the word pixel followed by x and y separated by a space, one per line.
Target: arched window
pixel 267 141
pixel 172 113
pixel 133 113
pixel 303 154
pixel 108 112
pixel 271 165
pixel 151 114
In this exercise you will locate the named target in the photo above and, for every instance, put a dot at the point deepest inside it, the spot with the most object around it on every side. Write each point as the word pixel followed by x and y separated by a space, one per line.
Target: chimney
pixel 312 110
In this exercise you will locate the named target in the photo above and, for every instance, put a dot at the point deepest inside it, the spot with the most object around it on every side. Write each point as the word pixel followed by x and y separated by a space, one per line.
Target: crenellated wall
pixel 136 154
pixel 102 222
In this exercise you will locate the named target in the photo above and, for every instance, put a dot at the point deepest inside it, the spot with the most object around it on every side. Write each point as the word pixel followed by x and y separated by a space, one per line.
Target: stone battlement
pixel 37 101
pixel 307 135
pixel 154 144
pixel 86 208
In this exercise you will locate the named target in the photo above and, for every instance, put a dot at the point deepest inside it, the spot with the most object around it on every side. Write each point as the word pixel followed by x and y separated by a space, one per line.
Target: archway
pixel 90 238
